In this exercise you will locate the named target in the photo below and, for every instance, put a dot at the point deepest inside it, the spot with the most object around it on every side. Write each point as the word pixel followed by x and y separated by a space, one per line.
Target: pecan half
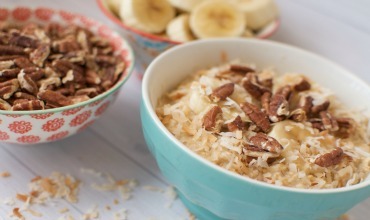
pixel 39 55
pixel 279 108
pixel 27 83
pixel 261 145
pixel 28 105
pixel 23 62
pixel 222 92
pixel 92 78
pixel 212 119
pixel 23 41
pixel 303 85
pixel 90 92
pixel 237 124
pixel 23 95
pixel 285 91
pixel 54 98
pixel 256 116
pixel 305 103
pixel 9 87
pixel 250 83
pixel 241 69
pixel 316 123
pixel 346 127
pixel 265 102
pixel 329 122
pixel 11 50
pixel 330 159
pixel 319 108
pixel 9 73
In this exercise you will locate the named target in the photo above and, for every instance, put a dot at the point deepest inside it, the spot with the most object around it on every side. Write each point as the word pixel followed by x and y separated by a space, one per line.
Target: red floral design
pixel 67 16
pixel 95 103
pixel 116 43
pixel 28 139
pixel 42 116
pixel 86 125
pixel 87 21
pixel 4 136
pixel 44 14
pixel 4 13
pixel 80 118
pixel 20 127
pixel 14 116
pixel 58 136
pixel 102 109
pixel 21 14
pixel 53 125
pixel 72 111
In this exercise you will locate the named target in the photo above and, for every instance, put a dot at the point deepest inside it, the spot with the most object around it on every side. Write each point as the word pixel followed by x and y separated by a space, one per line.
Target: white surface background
pixel 336 29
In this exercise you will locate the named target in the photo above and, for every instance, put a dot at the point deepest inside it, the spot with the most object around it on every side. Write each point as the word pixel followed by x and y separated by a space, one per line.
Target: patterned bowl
pixel 30 127
pixel 148 46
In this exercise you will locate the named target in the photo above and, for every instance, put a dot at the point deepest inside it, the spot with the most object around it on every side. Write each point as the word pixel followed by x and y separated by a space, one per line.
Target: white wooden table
pixel 337 29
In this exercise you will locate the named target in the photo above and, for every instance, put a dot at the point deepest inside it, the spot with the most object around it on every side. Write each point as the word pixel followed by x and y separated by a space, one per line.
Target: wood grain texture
pixel 336 29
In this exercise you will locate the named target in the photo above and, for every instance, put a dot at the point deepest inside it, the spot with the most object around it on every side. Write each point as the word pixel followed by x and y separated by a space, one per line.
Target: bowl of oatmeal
pixel 59 72
pixel 248 129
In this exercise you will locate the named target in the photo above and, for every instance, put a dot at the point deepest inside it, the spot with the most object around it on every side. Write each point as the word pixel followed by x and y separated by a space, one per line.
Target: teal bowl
pixel 211 192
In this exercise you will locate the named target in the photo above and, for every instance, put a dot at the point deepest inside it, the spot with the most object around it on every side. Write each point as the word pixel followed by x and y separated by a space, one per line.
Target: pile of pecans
pixel 270 108
pixel 43 67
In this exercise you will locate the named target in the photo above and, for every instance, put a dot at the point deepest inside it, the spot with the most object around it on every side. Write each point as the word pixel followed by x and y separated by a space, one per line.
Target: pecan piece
pixel 92 78
pixel 23 95
pixel 261 145
pixel 39 55
pixel 23 62
pixel 237 124
pixel 11 50
pixel 27 83
pixel 317 124
pixel 54 98
pixel 28 105
pixel 329 122
pixel 241 69
pixel 285 91
pixel 6 64
pixel 90 92
pixel 346 127
pixel 256 116
pixel 265 102
pixel 9 73
pixel 9 87
pixel 222 92
pixel 319 108
pixel 330 159
pixel 79 98
pixel 250 83
pixel 303 85
pixel 298 115
pixel 4 105
pixel 305 103
pixel 279 108
pixel 212 119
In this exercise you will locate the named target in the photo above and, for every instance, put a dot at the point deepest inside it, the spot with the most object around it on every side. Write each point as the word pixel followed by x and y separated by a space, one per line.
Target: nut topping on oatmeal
pixel 321 107
pixel 253 87
pixel 303 85
pixel 212 120
pixel 330 159
pixel 266 143
pixel 298 115
pixel 222 92
pixel 305 103
pixel 241 69
pixel 329 122
pixel 237 124
pixel 256 115
pixel 279 108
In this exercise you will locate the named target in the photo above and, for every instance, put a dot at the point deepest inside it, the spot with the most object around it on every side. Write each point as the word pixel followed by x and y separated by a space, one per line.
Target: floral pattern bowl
pixel 31 127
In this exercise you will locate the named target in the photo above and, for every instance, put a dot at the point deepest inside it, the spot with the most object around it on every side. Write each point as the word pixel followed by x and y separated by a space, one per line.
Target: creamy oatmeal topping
pixel 284 130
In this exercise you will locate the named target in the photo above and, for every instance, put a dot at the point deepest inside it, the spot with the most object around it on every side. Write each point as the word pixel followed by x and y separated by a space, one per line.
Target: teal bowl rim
pixel 147 104
pixel 124 77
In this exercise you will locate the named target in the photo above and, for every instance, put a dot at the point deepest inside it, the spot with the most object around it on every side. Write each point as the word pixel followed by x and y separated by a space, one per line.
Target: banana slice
pixel 114 5
pixel 217 18
pixel 179 30
pixel 290 130
pixel 185 5
pixel 147 15
pixel 258 13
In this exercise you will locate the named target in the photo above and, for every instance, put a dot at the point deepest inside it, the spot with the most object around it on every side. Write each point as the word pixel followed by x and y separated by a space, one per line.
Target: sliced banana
pixel 147 15
pixel 290 130
pixel 179 30
pixel 185 5
pixel 258 13
pixel 217 18
pixel 114 5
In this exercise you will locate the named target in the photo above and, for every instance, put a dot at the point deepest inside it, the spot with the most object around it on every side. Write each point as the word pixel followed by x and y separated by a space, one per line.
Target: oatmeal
pixel 284 130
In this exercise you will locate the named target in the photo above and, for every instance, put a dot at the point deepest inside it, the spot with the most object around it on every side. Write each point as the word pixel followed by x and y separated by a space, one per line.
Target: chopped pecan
pixel 346 127
pixel 303 85
pixel 10 57
pixel 28 105
pixel 265 102
pixel 90 92
pixel 23 95
pixel 330 159
pixel 261 145
pixel 222 92
pixel 27 83
pixel 317 123
pixel 63 66
pixel 212 119
pixel 250 83
pixel 279 108
pixel 265 79
pixel 54 98
pixel 39 55
pixel 256 116
pixel 23 41
pixel 319 108
pixel 241 69
pixel 329 122
pixel 6 64
pixel 298 115
pixel 34 73
pixel 285 91
pixel 237 124
pixel 92 78
pixel 105 61
pixel 9 87
pixel 66 45
pixel 9 73
pixel 23 62
pixel 79 98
